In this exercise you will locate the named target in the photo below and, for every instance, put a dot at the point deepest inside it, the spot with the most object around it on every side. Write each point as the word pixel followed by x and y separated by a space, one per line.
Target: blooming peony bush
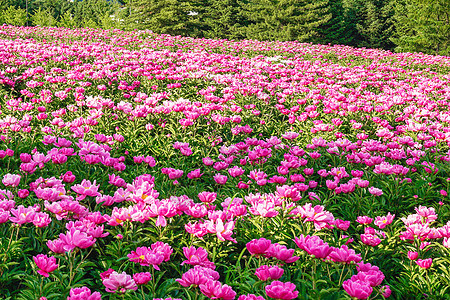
pixel 144 166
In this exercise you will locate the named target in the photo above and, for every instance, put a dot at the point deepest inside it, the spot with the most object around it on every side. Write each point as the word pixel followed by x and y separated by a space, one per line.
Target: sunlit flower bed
pixel 142 166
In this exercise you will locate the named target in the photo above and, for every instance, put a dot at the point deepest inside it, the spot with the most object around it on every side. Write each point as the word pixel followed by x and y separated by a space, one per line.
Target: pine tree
pixel 373 20
pixel 284 19
pixel 376 27
pixel 341 28
pixel 55 7
pixel 173 17
pixel 222 19
pixel 424 26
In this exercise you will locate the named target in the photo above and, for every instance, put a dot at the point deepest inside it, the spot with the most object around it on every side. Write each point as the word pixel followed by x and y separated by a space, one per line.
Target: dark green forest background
pixel 397 25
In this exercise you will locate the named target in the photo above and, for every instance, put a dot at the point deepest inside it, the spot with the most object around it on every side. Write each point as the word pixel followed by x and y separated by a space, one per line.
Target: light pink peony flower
pixel 119 283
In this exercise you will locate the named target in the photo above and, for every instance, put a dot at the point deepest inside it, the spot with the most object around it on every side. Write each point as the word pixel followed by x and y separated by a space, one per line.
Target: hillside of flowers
pixel 144 166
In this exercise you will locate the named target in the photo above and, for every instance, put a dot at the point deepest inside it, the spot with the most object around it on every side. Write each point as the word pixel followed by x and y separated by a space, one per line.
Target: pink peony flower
pixel 313 245
pixel 45 264
pixel 194 174
pixel 207 197
pixel 197 257
pixel 220 179
pixel 265 272
pixel 258 246
pixel 119 283
pixel 424 263
pixel 250 297
pixel 215 290
pixel 364 220
pixel 281 290
pixel 83 293
pixel 375 191
pixel 357 289
pixel 12 180
pixel 281 252
pixel 290 135
pixel 197 276
pixel 370 239
pixel 344 255
pixel 383 221
pixel 413 255
pixel 341 224
pixel 86 188
pixel 142 278
pixel 386 291
pixel 76 238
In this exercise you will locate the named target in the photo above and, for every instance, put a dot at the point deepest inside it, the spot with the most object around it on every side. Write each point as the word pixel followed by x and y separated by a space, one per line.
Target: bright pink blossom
pixel 45 264
pixel 281 290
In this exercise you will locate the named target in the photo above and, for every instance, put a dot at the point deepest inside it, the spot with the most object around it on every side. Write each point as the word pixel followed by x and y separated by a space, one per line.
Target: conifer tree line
pixel 397 25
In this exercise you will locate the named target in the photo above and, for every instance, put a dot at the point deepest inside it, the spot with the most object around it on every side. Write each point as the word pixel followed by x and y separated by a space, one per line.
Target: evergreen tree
pixel 43 17
pixel 423 25
pixel 222 19
pixel 341 28
pixel 91 13
pixel 173 17
pixel 284 19
pixel 54 7
pixel 377 25
pixel 373 21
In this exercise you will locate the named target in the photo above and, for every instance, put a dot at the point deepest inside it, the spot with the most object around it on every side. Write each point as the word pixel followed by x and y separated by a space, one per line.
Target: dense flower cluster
pixel 142 166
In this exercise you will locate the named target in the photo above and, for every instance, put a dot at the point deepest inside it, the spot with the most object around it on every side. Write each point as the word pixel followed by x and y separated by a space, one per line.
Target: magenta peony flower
pixel 23 193
pixel 424 263
pixel 45 264
pixel 412 255
pixel 4 216
pixel 197 257
pixel 386 291
pixel 357 289
pixel 220 179
pixel 215 290
pixel 281 290
pixel 344 255
pixel 197 276
pixel 370 239
pixel 250 297
pixel 364 220
pixel 265 273
pixel 142 278
pixel 76 238
pixel 207 197
pixel 313 245
pixel 86 188
pixel 341 224
pixel 258 246
pixel 83 293
pixel 194 174
pixel 383 221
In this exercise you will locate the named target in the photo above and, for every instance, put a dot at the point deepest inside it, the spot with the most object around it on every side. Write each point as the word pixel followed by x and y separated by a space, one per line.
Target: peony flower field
pixel 145 166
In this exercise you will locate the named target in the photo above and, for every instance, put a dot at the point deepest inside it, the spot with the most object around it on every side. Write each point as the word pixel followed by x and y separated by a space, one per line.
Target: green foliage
pixel 167 16
pixel 284 19
pixel 14 16
pixel 43 17
pixel 376 25
pixel 56 8
pixel 67 20
pixel 340 28
pixel 423 26
pixel 223 19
